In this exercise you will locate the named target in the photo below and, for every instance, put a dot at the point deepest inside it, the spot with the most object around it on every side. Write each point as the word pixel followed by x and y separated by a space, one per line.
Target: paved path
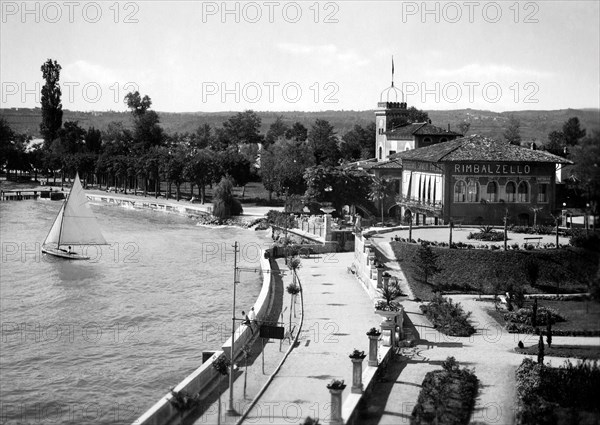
pixel 489 351
pixel 337 314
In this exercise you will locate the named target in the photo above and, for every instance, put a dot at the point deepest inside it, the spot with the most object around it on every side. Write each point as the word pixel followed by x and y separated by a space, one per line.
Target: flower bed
pixel 564 395
pixel 447 396
pixel 448 317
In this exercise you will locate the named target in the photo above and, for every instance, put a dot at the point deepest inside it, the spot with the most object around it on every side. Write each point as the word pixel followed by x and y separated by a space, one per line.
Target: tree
pixel 381 188
pixel 247 350
pixel 410 115
pixel 147 132
pixel 586 170
pixel 540 357
pixel 298 132
pixel 276 131
pixel 221 365
pixel 293 288
pixel 556 143
pixel 282 167
pixel 52 112
pixel 358 143
pixel 512 134
pixel 464 127
pixel 532 272
pixel 338 185
pixel 549 328
pixel 93 140
pixel 203 137
pixel 426 261
pixel 224 204
pixel 323 140
pixel 233 164
pixel 572 131
pixel 244 127
pixel 137 104
pixel 200 168
pixel 534 310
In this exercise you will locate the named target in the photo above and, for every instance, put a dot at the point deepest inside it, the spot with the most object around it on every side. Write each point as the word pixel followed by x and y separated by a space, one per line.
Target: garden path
pixel 489 351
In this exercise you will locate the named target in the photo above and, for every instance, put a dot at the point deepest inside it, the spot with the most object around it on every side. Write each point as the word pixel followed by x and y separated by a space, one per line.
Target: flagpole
pixel 392 70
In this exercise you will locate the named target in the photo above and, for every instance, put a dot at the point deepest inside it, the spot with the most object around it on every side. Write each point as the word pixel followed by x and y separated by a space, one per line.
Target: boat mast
pixel 62 219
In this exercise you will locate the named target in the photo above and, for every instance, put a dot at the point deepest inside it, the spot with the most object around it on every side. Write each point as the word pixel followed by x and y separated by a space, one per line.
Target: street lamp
pixel 231 411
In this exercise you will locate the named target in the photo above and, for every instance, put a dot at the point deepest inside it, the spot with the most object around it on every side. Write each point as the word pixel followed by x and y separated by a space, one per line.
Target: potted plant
pixel 387 306
pixel 356 354
pixel 373 335
pixel 336 384
pixel 374 332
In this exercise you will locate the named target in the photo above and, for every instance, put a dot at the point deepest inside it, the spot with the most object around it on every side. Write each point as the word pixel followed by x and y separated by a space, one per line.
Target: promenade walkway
pixel 489 351
pixel 337 314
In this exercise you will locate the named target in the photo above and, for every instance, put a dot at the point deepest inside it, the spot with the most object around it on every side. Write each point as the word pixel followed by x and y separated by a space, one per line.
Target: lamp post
pixel 587 218
pixel 231 411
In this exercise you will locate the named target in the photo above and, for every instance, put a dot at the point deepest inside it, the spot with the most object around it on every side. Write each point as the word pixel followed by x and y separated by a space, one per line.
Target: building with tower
pixel 438 176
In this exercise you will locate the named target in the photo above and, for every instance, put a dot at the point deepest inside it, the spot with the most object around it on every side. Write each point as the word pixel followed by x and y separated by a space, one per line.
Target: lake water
pixel 101 341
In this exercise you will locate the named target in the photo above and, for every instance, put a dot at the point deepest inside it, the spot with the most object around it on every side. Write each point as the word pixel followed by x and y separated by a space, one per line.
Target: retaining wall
pixel 154 205
pixel 204 379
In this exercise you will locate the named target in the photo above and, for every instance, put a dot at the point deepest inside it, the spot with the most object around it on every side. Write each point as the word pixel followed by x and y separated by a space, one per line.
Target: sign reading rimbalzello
pixel 491 168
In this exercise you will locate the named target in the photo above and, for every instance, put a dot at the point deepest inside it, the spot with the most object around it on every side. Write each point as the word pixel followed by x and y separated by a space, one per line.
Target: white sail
pixel 54 234
pixel 75 224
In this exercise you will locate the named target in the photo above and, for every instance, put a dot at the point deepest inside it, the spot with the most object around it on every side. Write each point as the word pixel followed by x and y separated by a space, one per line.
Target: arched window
pixel 492 192
pixel 380 152
pixel 460 191
pixel 523 192
pixel 473 191
pixel 427 141
pixel 511 189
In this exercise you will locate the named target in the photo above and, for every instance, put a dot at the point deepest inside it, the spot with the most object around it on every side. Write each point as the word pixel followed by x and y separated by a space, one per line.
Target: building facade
pixel 476 180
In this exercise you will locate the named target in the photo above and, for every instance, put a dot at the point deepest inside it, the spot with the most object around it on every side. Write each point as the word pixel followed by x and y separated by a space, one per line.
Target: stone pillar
pixel 380 277
pixel 388 331
pixel 328 236
pixel 386 279
pixel 357 386
pixel 373 345
pixel 336 390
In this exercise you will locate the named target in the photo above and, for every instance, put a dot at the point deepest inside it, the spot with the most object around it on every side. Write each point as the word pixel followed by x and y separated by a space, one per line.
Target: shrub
pixel 448 317
pixel 523 316
pixel 487 234
pixel 447 396
pixel 562 395
pixel 224 204
pixel 590 241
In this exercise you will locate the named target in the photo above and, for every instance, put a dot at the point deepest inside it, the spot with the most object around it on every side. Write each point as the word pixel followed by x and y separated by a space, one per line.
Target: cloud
pixel 329 52
pixel 83 72
pixel 489 71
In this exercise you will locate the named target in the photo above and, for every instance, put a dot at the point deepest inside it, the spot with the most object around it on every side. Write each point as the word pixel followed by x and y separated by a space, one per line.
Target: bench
pixel 534 238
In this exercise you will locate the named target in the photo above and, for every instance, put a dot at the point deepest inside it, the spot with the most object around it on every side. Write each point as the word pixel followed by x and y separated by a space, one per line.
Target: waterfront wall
pixel 189 210
pixel 204 379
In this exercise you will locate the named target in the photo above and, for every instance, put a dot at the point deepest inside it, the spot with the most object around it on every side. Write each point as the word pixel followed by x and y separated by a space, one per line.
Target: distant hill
pixel 535 125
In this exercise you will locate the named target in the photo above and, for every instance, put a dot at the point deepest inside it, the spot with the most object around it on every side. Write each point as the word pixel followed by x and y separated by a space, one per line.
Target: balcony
pixel 431 208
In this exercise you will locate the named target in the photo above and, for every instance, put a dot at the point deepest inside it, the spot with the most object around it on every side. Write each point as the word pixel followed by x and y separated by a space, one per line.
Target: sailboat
pixel 75 225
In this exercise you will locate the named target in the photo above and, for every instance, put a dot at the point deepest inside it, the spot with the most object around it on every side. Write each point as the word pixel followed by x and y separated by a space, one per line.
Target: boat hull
pixel 62 254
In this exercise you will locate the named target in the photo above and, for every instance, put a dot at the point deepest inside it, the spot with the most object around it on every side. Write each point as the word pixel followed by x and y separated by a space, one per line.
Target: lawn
pixel 567 270
pixel 581 316
pixel 573 351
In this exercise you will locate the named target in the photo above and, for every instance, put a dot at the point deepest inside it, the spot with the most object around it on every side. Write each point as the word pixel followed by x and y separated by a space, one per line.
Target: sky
pixel 304 56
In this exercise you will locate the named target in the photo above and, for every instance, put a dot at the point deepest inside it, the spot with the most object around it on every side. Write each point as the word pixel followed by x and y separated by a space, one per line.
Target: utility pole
pixel 231 411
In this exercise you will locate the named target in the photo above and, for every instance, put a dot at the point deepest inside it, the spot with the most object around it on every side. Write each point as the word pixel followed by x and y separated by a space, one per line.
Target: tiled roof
pixel 393 163
pixel 478 148
pixel 407 131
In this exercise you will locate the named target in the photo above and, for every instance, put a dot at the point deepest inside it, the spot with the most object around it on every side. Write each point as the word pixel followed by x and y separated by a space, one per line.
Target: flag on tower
pixel 392 70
